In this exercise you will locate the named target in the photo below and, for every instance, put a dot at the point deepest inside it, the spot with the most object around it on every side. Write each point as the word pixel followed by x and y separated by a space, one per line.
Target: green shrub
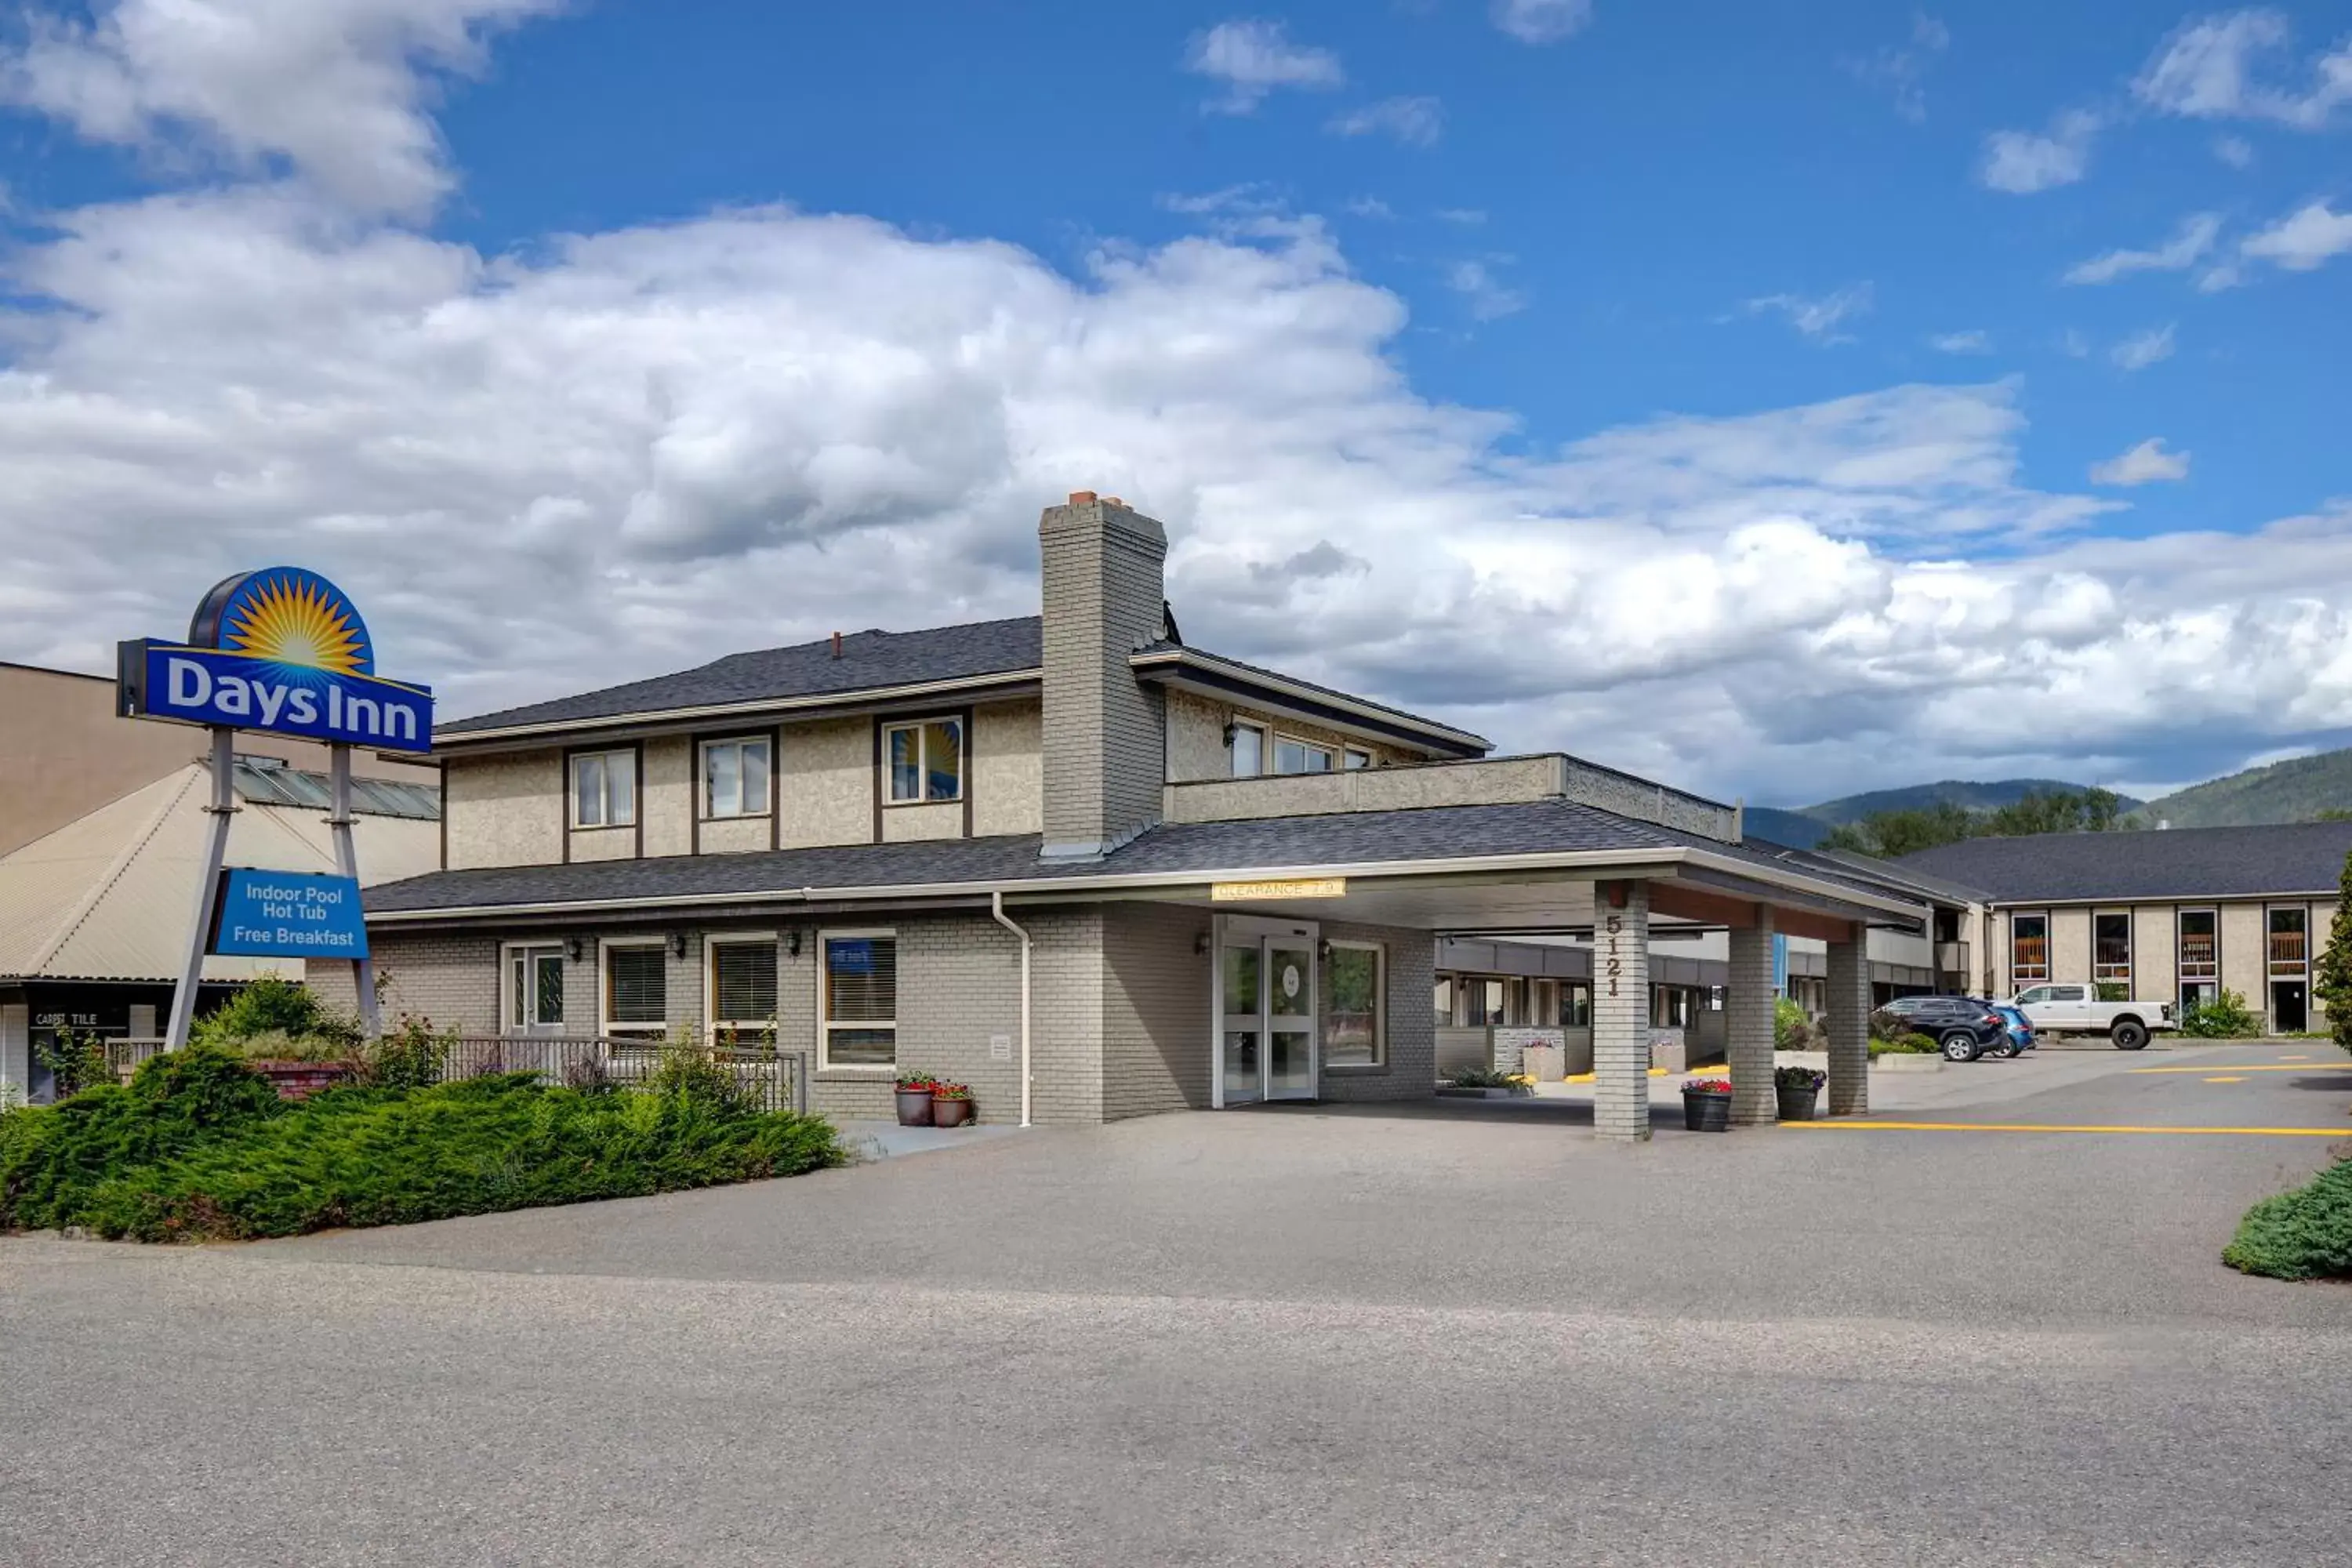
pixel 278 1046
pixel 273 1007
pixel 2226 1017
pixel 410 1055
pixel 2302 1235
pixel 691 1072
pixel 1491 1077
pixel 1906 1045
pixel 75 1062
pixel 1793 1029
pixel 52 1158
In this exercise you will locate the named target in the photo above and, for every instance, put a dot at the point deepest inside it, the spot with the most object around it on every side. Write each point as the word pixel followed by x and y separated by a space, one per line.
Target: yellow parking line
pixel 2064 1127
pixel 2239 1067
pixel 2230 1079
pixel 2295 1058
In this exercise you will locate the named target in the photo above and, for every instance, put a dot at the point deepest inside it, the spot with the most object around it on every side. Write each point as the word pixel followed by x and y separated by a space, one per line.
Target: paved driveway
pixel 1442 1335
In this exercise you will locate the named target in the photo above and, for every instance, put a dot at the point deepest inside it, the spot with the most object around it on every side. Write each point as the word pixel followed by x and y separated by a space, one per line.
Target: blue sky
pixel 1788 399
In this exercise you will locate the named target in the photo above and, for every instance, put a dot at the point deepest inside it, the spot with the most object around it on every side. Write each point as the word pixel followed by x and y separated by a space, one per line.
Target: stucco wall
pixel 2155 970
pixel 904 823
pixel 1008 768
pixel 2070 944
pixel 1196 738
pixel 826 779
pixel 2245 955
pixel 603 843
pixel 667 795
pixel 505 810
pixel 734 834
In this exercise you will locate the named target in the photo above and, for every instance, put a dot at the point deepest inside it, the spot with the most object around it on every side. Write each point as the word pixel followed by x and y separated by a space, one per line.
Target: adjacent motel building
pixel 1159 877
pixel 2176 915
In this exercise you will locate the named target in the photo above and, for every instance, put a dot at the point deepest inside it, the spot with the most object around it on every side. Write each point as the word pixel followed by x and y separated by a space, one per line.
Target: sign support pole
pixel 222 807
pixel 347 864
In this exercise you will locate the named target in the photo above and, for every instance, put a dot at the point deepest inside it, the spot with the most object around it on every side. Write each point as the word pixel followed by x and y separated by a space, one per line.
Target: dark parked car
pixel 1965 1027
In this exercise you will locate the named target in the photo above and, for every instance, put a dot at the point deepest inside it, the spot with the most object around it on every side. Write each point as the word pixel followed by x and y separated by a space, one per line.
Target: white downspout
pixel 996 908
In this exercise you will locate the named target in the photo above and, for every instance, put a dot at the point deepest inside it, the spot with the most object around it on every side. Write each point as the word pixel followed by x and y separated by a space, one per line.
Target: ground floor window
pixel 1673 1006
pixel 1576 1004
pixel 2029 948
pixel 1441 1002
pixel 1352 1020
pixel 740 989
pixel 636 989
pixel 2199 993
pixel 859 1007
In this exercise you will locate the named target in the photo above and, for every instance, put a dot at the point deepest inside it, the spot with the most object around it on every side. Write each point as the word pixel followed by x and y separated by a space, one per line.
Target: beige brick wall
pixel 666 795
pixel 2155 973
pixel 1157 1039
pixel 2245 954
pixel 1408 960
pixel 1008 768
pixel 1104 738
pixel 505 810
pixel 827 779
pixel 451 979
pixel 2070 944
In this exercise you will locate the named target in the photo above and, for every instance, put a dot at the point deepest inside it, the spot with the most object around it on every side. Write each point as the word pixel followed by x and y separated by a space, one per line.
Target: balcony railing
pixel 2289 951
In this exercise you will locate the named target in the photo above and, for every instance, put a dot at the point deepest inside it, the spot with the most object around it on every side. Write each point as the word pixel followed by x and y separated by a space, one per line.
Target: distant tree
pixel 2056 811
pixel 2331 981
pixel 2333 813
pixel 1891 834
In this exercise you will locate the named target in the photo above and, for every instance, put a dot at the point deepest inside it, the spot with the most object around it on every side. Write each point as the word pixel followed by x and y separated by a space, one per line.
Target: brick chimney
pixel 1105 589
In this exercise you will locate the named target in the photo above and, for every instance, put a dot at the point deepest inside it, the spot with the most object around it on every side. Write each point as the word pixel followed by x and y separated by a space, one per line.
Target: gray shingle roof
pixel 1169 646
pixel 1352 838
pixel 869 660
pixel 2175 863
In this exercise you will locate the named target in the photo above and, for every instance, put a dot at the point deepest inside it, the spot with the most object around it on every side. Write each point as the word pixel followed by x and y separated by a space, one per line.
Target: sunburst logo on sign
pixel 298 620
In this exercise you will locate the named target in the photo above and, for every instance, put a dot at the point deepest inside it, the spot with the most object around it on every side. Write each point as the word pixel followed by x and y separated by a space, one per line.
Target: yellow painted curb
pixel 2247 1067
pixel 2061 1127
pixel 2233 1078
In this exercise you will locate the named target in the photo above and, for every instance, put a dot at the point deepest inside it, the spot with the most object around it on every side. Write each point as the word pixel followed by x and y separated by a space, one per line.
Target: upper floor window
pixel 605 789
pixel 2111 946
pixel 926 760
pixel 2288 952
pixel 2200 952
pixel 1352 758
pixel 1249 750
pixel 2029 948
pixel 735 777
pixel 1299 757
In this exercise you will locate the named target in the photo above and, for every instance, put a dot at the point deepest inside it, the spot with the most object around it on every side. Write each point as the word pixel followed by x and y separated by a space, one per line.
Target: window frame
pixel 2101 970
pixel 2184 973
pixel 922 727
pixel 607 1026
pixel 1329 755
pixel 2273 968
pixel 825 1025
pixel 703 747
pixel 604 755
pixel 1380 1062
pixel 1264 738
pixel 2019 974
pixel 1354 759
pixel 711 944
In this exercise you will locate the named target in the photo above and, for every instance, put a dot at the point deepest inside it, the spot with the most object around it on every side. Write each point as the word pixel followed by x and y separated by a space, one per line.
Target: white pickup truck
pixel 2077 1010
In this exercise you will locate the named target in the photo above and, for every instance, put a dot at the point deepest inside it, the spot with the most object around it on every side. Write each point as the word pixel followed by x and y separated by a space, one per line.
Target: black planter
pixel 1798 1104
pixel 1706 1113
pixel 914 1108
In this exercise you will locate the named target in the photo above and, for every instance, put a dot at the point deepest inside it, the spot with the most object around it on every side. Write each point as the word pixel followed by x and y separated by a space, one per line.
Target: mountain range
pixel 2296 790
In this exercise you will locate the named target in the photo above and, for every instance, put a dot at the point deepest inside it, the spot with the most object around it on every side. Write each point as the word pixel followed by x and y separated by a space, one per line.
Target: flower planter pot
pixel 950 1112
pixel 914 1108
pixel 1798 1104
pixel 301 1080
pixel 1706 1113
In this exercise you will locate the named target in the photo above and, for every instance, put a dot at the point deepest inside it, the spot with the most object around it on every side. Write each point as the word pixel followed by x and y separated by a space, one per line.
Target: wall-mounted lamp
pixel 1230 728
pixel 1323 951
pixel 1201 945
pixel 677 944
pixel 792 943
pixel 574 946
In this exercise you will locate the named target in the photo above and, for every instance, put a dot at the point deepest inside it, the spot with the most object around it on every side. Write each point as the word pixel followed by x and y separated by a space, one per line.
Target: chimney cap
pixel 1113 501
pixel 1080 498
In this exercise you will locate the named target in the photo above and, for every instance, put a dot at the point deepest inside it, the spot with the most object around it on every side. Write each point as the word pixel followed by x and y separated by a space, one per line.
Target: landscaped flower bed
pixel 198 1146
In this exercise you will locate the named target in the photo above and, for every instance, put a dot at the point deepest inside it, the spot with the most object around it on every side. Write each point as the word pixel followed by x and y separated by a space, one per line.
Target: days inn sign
pixel 284 651
pixel 281 650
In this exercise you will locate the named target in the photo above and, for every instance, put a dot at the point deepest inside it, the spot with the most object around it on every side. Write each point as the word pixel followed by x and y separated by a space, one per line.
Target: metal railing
pixel 123 1056
pixel 770 1078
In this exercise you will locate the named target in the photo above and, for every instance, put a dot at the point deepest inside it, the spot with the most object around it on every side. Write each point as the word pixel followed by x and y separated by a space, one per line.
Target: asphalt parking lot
pixel 1454 1333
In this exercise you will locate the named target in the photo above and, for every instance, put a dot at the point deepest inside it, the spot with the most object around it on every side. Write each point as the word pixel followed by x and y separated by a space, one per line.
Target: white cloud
pixel 2234 151
pixel 2188 246
pixel 617 453
pixel 2144 349
pixel 1254 57
pixel 1489 299
pixel 1899 71
pixel 2074 344
pixel 1816 318
pixel 2023 162
pixel 1414 121
pixel 1541 21
pixel 1468 218
pixel 1368 206
pixel 2210 69
pixel 2144 464
pixel 2303 240
pixel 1975 340
pixel 337 88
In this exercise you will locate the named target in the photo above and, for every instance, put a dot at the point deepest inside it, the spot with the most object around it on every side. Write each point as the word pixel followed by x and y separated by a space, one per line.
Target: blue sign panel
pixel 288 914
pixel 281 650
pixel 849 955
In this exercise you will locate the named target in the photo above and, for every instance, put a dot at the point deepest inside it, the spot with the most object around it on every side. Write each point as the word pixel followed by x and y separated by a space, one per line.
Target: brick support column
pixel 1621 1011
pixel 1747 1019
pixel 1849 1027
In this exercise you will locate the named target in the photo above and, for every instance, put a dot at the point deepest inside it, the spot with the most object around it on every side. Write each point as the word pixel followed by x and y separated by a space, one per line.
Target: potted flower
pixel 1799 1090
pixel 1707 1105
pixel 950 1103
pixel 915 1099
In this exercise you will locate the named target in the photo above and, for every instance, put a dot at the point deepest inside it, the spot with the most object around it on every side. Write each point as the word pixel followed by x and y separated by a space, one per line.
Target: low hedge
pixel 198 1147
pixel 2302 1235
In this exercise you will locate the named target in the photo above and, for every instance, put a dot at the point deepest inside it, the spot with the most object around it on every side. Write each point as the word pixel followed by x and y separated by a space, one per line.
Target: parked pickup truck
pixel 2077 1010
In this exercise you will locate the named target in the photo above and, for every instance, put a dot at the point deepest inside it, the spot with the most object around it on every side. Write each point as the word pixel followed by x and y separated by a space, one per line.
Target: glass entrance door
pixel 1266 1020
pixel 534 991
